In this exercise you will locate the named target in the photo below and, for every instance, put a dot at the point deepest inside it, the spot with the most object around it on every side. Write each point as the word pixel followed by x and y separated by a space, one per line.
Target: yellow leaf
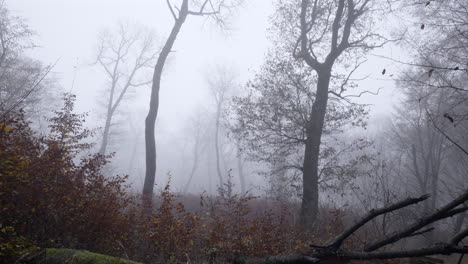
pixel 7 128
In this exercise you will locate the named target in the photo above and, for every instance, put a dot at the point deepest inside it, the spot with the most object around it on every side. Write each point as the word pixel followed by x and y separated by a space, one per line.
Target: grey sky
pixel 67 31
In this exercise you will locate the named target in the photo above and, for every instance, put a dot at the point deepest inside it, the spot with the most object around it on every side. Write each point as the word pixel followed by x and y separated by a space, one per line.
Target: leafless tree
pixel 421 128
pixel 215 9
pixel 125 56
pixel 440 47
pixel 23 82
pixel 221 83
pixel 198 129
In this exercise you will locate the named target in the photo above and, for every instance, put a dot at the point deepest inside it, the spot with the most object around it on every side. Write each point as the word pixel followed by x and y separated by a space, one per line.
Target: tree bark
pixel 240 167
pixel 150 142
pixel 105 135
pixel 218 165
pixel 195 160
pixel 310 195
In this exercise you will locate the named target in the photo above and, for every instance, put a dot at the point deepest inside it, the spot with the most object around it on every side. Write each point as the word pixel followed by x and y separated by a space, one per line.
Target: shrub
pixel 172 231
pixel 52 195
pixel 223 228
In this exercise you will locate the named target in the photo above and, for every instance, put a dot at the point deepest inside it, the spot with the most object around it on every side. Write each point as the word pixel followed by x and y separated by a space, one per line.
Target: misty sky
pixel 67 32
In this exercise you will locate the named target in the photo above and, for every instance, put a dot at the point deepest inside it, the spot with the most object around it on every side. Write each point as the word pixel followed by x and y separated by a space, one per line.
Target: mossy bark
pixel 71 256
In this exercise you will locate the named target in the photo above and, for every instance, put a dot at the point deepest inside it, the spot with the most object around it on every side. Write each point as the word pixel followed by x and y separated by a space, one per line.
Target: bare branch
pixel 447 137
pixel 365 92
pixel 171 9
pixel 442 213
pixel 34 86
pixel 459 237
pixel 373 214
pixel 444 249
pixel 336 24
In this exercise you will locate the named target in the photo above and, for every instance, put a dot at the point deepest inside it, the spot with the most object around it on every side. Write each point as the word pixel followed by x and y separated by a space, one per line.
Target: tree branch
pixel 442 213
pixel 373 214
pixel 171 9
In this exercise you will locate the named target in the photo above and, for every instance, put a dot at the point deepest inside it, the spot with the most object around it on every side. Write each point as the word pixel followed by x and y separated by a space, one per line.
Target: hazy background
pixel 67 33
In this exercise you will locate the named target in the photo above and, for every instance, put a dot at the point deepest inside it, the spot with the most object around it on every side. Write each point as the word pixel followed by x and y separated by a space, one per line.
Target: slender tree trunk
pixel 218 165
pixel 192 173
pixel 310 195
pixel 131 161
pixel 105 135
pixel 240 167
pixel 195 162
pixel 150 142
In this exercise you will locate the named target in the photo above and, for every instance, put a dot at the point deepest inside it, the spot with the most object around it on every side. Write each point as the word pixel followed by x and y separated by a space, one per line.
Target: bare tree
pixel 15 36
pixel 440 47
pixel 214 9
pixel 221 83
pixel 23 80
pixel 124 55
pixel 198 129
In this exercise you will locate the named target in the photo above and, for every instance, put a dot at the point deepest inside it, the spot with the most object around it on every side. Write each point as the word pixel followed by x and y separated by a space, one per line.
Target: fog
pixel 67 34
pixel 213 130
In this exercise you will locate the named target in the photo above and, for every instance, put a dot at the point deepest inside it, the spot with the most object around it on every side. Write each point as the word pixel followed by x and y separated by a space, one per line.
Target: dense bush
pixel 54 196
pixel 222 228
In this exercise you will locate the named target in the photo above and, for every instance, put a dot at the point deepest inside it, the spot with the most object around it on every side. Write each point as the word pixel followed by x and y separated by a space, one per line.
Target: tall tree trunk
pixel 195 161
pixel 310 195
pixel 218 165
pixel 131 161
pixel 192 173
pixel 150 142
pixel 105 135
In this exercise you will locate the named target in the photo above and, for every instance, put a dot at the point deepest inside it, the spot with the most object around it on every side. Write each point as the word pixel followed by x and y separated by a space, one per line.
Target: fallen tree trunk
pixel 71 256
pixel 333 254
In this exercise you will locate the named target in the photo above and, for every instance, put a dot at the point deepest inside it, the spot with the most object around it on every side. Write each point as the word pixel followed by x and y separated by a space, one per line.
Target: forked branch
pixel 334 251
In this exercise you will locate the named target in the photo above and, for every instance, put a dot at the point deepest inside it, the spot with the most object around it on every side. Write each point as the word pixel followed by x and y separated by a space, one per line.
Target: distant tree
pixel 440 48
pixel 240 166
pixel 22 79
pixel 215 9
pixel 198 131
pixel 221 83
pixel 125 56
pixel 421 125
pixel 432 122
pixel 424 146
